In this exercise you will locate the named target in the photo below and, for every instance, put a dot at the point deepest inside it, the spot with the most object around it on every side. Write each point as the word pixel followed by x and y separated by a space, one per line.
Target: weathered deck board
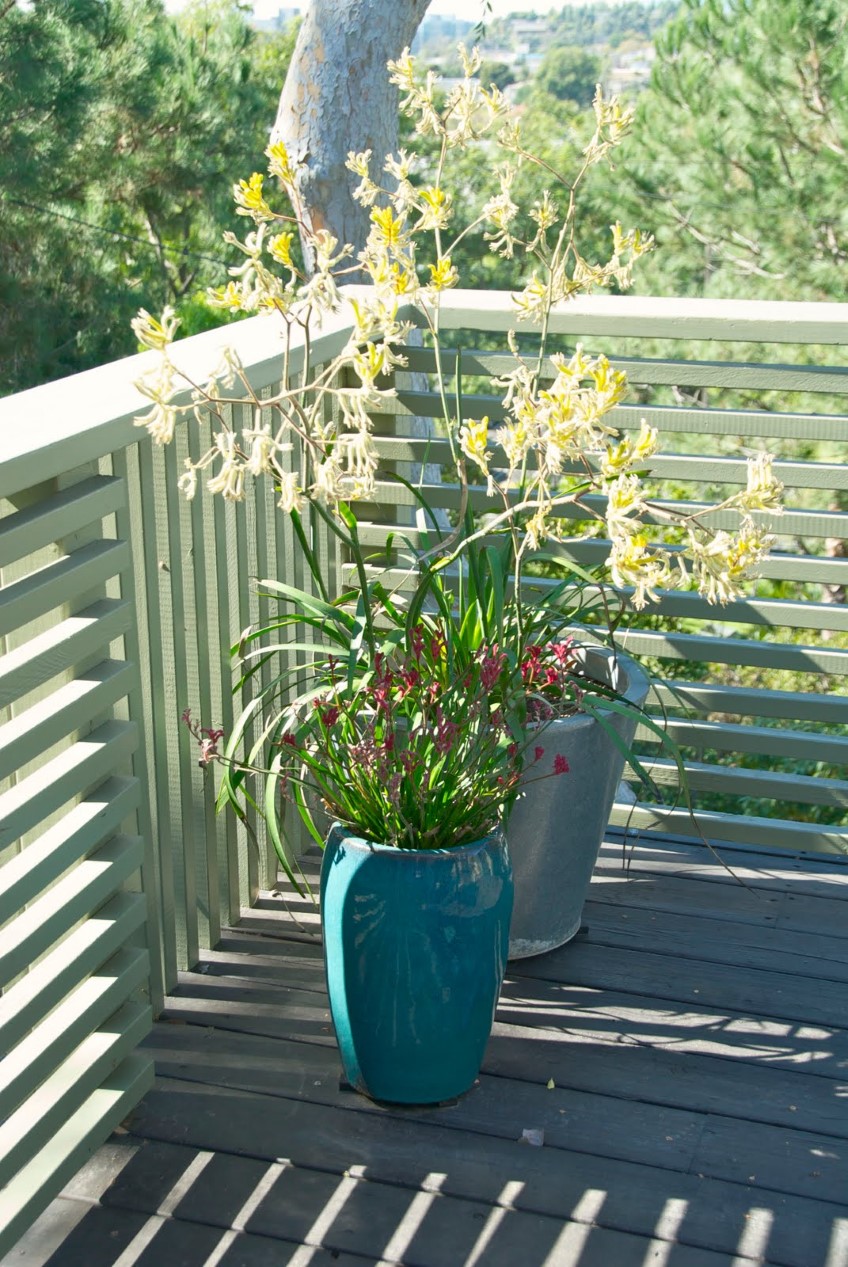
pixel 697 1037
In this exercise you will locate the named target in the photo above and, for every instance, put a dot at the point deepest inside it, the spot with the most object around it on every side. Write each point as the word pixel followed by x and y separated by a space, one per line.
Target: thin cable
pixel 115 233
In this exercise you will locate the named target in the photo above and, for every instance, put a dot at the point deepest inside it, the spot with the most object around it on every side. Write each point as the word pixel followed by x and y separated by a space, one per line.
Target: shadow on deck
pixel 696 1035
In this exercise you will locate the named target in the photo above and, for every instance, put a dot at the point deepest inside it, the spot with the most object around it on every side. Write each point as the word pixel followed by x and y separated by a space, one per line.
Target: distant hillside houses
pixel 630 71
pixel 518 42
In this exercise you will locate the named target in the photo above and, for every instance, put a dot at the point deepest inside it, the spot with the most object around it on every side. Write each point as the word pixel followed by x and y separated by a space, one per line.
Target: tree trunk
pixel 337 97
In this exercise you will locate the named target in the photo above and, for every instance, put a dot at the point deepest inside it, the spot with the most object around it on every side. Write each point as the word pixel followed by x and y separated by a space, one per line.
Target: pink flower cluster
pixel 207 739
pixel 548 674
pixel 561 765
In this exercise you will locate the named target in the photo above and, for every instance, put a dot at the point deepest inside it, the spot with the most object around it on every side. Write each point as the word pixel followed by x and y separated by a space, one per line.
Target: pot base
pixel 415 944
pixel 525 948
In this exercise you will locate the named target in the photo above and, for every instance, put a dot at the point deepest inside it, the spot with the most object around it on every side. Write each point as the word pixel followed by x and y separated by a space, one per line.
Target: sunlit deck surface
pixel 694 1033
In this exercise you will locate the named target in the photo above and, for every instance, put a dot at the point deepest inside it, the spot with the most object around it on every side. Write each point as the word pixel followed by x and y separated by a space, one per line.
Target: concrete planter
pixel 557 825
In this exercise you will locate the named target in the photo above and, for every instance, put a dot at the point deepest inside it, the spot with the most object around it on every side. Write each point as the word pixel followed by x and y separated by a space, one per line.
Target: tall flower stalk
pixel 555 467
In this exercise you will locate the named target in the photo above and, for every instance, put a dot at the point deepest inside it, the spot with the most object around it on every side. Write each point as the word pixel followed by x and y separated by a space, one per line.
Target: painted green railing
pixel 119 602
pixel 753 693
pixel 118 605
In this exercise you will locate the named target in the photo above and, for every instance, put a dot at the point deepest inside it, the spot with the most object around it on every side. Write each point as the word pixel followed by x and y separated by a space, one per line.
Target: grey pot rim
pixel 638 685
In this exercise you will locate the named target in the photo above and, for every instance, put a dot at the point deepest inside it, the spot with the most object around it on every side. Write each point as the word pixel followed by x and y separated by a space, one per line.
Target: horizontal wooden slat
pixel 594 552
pixel 810 523
pixel 74 1141
pixel 773 613
pixel 709 697
pixel 668 419
pixel 69 708
pixel 740 781
pixel 83 828
pixel 809 569
pixel 30 1127
pixel 83 1011
pixel 728 374
pixel 654 317
pixel 82 952
pixel 58 582
pixel 750 424
pixel 777 613
pixel 39 441
pixel 83 890
pixel 718 650
pixel 75 770
pixel 748 829
pixel 58 515
pixel 62 647
pixel 769 740
pixel 694 469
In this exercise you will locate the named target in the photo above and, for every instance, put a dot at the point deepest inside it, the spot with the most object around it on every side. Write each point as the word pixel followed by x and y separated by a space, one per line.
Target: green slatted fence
pixel 74 966
pixel 119 602
pixel 754 693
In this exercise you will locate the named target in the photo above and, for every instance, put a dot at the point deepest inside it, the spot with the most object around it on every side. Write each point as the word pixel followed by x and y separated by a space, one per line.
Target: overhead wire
pixel 115 233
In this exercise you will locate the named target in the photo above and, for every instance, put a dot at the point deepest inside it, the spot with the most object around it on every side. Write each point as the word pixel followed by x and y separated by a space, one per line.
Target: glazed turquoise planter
pixel 415 946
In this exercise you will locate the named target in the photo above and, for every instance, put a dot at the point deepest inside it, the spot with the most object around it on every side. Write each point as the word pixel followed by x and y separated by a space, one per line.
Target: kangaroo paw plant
pixel 421 712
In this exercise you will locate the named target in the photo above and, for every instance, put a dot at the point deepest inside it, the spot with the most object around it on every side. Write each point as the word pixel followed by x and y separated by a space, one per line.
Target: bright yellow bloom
pixel 624 503
pixel 530 303
pixel 473 439
pixel 250 200
pixel 610 384
pixel 152 333
pixel 370 362
pixel 390 229
pixel 632 563
pixel 443 275
pixel 764 491
pixel 280 249
pixel 722 562
pixel 229 296
pixel 436 208
pixel 279 163
pixel 622 457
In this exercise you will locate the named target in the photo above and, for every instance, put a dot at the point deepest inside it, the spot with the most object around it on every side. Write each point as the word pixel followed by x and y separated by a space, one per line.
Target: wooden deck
pixel 696 1036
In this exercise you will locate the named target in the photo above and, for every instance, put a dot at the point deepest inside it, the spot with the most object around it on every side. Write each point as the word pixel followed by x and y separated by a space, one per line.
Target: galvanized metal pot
pixel 415 946
pixel 557 825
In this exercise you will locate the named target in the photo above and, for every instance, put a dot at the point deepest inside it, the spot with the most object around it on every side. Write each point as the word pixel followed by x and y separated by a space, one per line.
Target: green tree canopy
pixel 121 132
pixel 569 74
pixel 612 24
pixel 740 160
pixel 497 73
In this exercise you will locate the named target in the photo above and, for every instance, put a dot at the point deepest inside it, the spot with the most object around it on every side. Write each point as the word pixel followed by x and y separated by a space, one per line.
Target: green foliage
pixel 497 73
pixel 569 74
pixel 745 191
pixel 611 24
pixel 413 729
pixel 120 128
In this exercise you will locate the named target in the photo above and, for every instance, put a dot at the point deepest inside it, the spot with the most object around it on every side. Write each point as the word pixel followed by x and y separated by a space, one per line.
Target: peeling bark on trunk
pixel 337 97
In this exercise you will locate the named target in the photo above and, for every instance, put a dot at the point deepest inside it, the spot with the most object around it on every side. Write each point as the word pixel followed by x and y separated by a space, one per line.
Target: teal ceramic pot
pixel 415 947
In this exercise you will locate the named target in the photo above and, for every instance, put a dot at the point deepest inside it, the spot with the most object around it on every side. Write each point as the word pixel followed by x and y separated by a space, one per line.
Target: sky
pixel 470 10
